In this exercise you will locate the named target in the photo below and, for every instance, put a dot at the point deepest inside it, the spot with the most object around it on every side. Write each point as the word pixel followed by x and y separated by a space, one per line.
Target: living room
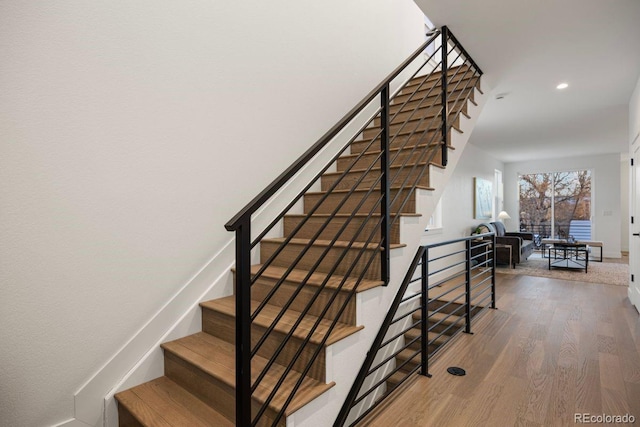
pixel 533 124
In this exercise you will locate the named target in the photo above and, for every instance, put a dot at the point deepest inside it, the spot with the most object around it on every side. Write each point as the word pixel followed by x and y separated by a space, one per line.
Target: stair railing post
pixel 384 185
pixel 493 271
pixel 424 325
pixel 243 323
pixel 445 106
pixel 467 287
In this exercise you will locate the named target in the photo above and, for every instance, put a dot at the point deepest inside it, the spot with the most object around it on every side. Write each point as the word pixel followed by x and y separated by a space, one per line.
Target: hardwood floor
pixel 552 349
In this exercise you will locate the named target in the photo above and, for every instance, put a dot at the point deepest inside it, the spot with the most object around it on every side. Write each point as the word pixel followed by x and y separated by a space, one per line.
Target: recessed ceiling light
pixel 562 86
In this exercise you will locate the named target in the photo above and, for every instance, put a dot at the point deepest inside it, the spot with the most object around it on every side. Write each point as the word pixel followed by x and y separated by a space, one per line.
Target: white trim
pixel 73 422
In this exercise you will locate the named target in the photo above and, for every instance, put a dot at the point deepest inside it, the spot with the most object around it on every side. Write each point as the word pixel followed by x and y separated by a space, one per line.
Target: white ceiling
pixel 526 48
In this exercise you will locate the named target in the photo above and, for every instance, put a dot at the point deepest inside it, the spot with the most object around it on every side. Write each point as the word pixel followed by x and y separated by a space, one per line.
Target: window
pixel 557 204
pixel 498 204
pixel 435 222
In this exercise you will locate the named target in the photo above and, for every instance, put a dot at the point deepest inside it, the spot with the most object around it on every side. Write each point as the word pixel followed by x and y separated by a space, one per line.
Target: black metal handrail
pixel 476 262
pixel 346 250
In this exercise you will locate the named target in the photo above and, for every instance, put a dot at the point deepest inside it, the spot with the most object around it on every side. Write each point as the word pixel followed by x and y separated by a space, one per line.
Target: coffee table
pixel 569 255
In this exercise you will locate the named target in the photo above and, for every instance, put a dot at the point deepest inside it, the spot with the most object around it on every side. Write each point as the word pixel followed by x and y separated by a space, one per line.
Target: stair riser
pixel 433 87
pixel 414 126
pixel 442 327
pixel 416 360
pixel 437 304
pixel 409 114
pixel 425 105
pixel 125 419
pixel 291 251
pixel 332 201
pixel 437 79
pixel 215 393
pixel 398 158
pixel 364 181
pixel 434 95
pixel 432 347
pixel 401 142
pixel 223 326
pixel 351 231
pixel 261 288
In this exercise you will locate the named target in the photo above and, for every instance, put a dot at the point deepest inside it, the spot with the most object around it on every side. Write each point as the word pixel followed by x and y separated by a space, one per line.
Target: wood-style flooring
pixel 552 349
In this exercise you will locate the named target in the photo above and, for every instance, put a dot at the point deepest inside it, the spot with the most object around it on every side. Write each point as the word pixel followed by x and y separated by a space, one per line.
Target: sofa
pixel 521 243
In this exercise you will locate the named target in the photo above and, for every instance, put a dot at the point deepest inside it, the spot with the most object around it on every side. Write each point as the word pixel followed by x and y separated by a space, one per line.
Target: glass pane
pixel 536 191
pixel 572 205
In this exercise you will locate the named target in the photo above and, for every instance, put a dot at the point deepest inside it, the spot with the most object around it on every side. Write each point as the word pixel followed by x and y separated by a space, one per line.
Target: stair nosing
pixel 325 243
pixel 358 190
pixel 222 374
pixel 315 279
pixel 336 335
pixel 429 163
pixel 170 387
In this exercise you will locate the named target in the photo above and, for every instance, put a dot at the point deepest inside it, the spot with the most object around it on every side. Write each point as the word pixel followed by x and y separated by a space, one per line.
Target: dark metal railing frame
pixel 422 260
pixel 241 222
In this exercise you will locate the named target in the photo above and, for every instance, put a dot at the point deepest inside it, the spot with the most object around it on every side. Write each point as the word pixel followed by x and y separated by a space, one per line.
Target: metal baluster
pixel 424 370
pixel 493 272
pixel 384 185
pixel 445 106
pixel 243 323
pixel 467 287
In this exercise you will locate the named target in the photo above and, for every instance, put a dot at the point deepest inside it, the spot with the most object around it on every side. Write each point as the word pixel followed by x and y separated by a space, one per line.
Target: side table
pixel 506 252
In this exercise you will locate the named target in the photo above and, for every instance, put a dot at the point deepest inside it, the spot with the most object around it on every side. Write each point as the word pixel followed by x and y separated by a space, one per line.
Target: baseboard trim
pixel 73 422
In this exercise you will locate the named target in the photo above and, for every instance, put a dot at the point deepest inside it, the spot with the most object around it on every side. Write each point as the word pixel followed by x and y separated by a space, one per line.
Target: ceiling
pixel 526 48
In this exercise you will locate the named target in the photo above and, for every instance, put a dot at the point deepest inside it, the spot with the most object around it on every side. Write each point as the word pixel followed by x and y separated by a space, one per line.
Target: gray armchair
pixel 521 243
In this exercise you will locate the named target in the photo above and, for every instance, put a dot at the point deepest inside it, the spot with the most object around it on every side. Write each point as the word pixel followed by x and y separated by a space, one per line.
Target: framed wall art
pixel 483 197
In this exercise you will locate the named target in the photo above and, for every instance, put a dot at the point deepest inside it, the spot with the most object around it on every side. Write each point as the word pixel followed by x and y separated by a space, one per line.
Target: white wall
pixel 606 202
pixel 457 199
pixel 624 202
pixel 131 132
pixel 634 113
pixel 634 199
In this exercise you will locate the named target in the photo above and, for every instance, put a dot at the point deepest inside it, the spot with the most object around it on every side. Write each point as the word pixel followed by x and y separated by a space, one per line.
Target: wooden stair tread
pixel 413 333
pixel 394 148
pixel 408 131
pixel 269 313
pixel 435 317
pixel 436 91
pixel 427 116
pixel 216 357
pixel 315 193
pixel 163 403
pixel 336 244
pixel 357 215
pixel 392 168
pixel 437 74
pixel 398 376
pixel 316 278
pixel 407 354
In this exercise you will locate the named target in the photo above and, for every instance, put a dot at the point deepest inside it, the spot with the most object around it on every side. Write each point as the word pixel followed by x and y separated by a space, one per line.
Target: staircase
pixel 304 283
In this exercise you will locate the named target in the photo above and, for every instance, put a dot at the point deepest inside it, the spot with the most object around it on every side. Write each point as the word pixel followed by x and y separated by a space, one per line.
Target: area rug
pixel 599 272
